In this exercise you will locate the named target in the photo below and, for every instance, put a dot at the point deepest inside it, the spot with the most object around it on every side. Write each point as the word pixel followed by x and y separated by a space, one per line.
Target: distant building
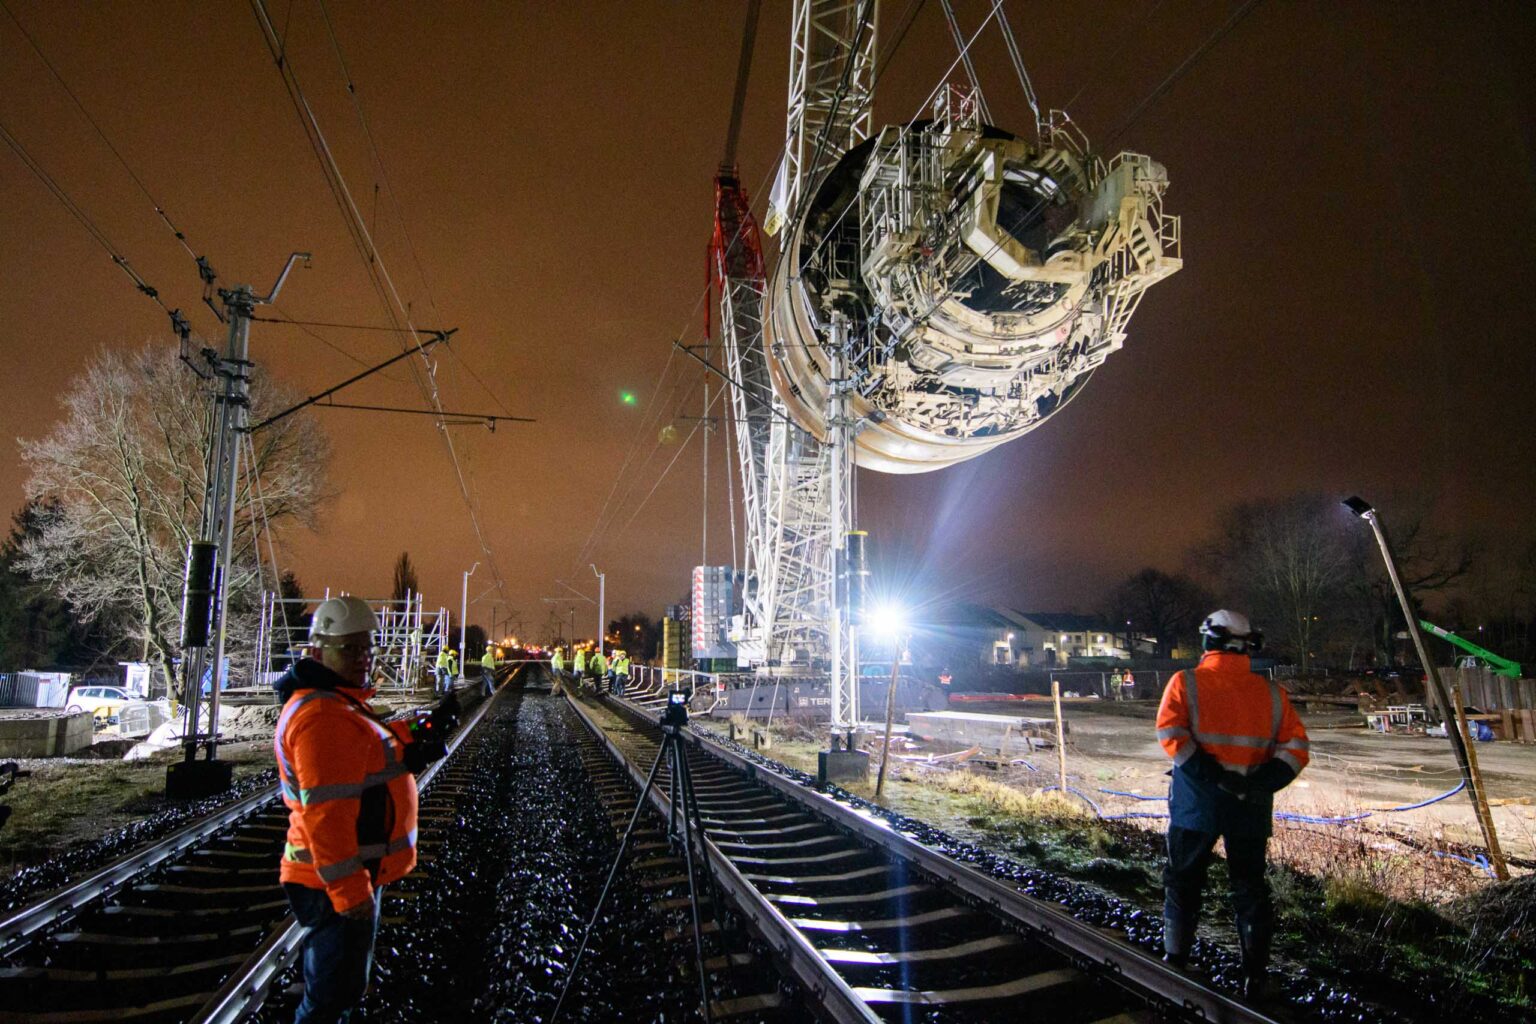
pixel 1056 639
pixel 979 636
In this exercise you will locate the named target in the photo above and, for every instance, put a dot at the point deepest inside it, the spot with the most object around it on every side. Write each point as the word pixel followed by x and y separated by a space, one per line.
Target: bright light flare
pixel 887 619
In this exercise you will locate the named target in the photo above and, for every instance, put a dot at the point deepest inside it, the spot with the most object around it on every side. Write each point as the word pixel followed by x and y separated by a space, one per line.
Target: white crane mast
pixel 796 488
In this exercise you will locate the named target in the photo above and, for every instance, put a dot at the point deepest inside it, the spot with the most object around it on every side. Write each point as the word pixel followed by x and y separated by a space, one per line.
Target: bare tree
pixel 1290 560
pixel 1153 603
pixel 406 582
pixel 123 475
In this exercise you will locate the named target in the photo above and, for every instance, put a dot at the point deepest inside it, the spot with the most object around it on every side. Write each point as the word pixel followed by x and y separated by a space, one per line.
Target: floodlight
pixel 1359 506
pixel 887 619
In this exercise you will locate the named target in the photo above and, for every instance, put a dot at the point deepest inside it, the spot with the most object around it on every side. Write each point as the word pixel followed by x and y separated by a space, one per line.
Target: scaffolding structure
pixel 405 647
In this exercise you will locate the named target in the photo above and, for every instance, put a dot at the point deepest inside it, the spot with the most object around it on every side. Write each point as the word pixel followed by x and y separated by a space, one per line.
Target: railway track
pixel 194 927
pixel 877 926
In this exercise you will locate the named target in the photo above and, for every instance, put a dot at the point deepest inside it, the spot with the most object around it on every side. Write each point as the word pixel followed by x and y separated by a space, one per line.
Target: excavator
pixel 1498 665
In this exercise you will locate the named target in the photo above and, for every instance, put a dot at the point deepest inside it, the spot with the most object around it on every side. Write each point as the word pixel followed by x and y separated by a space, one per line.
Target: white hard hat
pixel 1231 631
pixel 342 616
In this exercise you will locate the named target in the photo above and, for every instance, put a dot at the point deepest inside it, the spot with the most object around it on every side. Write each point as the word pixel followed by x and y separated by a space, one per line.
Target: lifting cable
pixel 965 53
pixel 1141 108
pixel 1019 69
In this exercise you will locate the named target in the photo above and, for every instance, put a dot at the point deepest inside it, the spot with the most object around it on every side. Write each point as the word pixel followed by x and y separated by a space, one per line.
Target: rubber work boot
pixel 1176 942
pixel 1254 941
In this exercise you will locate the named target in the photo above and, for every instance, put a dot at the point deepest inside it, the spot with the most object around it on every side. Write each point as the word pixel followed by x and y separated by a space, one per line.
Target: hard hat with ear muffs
pixel 1229 631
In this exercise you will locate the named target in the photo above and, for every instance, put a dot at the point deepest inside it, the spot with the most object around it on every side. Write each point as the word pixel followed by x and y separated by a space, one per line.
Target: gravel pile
pixel 33 882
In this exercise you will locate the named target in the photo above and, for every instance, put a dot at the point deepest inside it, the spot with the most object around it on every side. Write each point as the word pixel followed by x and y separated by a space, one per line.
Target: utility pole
pixel 602 597
pixel 464 613
pixel 206 594
pixel 1466 757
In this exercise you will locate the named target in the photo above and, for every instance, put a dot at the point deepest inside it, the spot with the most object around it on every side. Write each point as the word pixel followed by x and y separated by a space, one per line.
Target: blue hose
pixel 1073 789
pixel 1479 861
pixel 1434 799
pixel 1133 796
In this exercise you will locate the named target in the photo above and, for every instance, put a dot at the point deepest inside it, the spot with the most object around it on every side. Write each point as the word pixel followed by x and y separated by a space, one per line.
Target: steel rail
pixel 32 918
pixel 247 988
pixel 793 950
pixel 1145 975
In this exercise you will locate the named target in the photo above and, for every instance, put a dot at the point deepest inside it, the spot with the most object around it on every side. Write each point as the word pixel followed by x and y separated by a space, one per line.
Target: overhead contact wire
pixel 80 215
pixel 378 272
pixel 181 238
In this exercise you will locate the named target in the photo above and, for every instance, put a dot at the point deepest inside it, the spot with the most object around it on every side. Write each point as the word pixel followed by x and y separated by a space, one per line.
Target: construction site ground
pixel 1391 897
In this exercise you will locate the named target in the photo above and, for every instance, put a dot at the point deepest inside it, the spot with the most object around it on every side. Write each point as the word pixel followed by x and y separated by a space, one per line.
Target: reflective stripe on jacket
pixel 351 800
pixel 1243 721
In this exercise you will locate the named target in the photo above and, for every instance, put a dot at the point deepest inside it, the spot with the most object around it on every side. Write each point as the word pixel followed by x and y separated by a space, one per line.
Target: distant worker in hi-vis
pixel 557 664
pixel 579 665
pixel 620 671
pixel 444 669
pixel 488 669
pixel 1235 741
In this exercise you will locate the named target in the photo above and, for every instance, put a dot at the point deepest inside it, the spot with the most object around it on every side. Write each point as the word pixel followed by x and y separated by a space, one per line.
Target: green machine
pixel 1500 666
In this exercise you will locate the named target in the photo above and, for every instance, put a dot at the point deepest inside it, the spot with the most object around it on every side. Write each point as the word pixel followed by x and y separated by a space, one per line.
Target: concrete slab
pixel 43 732
pixel 1000 734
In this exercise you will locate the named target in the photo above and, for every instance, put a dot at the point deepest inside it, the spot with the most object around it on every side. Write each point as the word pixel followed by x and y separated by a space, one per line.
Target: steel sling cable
pixel 965 54
pixel 1168 82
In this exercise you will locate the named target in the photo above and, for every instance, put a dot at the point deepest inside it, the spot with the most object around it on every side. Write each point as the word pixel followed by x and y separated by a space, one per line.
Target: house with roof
pixel 1058 639
pixel 973 635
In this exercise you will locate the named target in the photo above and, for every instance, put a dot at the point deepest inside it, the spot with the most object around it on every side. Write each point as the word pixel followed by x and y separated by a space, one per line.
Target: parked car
pixel 98 699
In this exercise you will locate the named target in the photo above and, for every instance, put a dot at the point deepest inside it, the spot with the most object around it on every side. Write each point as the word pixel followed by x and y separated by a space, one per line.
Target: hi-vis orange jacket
pixel 1220 718
pixel 351 801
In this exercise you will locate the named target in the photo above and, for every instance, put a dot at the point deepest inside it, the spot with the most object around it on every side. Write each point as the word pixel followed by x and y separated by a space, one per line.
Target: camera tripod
pixel 683 826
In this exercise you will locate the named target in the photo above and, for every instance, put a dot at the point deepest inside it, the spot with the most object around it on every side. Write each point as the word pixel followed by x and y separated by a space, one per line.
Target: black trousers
pixel 1189 858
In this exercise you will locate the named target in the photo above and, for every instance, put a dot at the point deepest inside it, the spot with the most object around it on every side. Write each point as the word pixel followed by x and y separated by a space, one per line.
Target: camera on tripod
pixel 675 714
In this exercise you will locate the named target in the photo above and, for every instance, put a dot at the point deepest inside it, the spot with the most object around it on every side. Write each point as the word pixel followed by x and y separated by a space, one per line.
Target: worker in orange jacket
pixel 1235 741
pixel 351 806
